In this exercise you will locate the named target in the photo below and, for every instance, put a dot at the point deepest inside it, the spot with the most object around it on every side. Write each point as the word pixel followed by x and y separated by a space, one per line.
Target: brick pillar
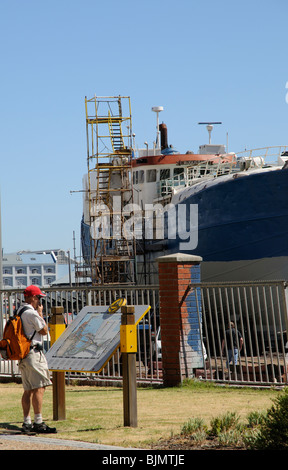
pixel 179 316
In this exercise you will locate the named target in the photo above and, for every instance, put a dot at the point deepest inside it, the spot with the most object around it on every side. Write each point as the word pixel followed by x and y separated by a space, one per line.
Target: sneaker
pixel 43 429
pixel 26 428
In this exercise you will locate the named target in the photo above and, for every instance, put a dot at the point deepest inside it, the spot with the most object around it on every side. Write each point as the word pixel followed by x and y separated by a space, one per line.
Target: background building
pixel 41 268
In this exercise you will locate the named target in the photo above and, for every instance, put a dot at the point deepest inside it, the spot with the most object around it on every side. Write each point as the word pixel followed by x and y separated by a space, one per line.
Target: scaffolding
pixel 109 154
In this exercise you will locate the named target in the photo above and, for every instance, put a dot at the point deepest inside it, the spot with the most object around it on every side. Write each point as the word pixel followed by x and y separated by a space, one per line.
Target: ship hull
pixel 242 231
pixel 242 227
pixel 264 269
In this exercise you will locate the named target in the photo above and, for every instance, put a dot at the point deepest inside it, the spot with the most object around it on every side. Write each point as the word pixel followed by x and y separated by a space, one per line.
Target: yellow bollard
pixel 57 325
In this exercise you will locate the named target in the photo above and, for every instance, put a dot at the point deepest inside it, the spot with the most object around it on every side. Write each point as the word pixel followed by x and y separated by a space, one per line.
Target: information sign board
pixel 90 340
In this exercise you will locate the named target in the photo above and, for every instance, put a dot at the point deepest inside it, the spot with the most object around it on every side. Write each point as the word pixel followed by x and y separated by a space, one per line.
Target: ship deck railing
pixel 267 154
pixel 192 174
pixel 243 161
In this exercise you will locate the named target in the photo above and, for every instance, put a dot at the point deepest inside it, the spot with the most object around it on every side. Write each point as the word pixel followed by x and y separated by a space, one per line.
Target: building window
pixel 50 270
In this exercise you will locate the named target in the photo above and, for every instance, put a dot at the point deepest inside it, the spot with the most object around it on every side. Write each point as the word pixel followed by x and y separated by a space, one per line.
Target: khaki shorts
pixel 34 371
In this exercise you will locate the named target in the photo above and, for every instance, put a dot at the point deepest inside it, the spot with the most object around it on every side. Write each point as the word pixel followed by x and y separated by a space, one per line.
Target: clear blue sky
pixel 212 60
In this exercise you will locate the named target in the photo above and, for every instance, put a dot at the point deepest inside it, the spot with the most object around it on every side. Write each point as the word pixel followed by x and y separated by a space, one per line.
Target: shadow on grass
pixel 12 428
pixel 98 428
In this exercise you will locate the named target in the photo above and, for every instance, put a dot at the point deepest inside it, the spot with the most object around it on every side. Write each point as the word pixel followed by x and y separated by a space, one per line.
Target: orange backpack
pixel 15 345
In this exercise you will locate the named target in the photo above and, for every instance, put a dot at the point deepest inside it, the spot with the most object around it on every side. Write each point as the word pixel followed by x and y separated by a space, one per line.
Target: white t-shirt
pixel 32 321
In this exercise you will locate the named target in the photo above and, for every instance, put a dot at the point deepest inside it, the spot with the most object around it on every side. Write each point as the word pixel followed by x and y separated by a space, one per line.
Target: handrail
pixel 264 152
pixel 193 174
pixel 255 158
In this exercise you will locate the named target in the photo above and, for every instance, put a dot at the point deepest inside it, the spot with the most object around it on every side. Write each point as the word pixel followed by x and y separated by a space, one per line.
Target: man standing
pixel 34 368
pixel 234 342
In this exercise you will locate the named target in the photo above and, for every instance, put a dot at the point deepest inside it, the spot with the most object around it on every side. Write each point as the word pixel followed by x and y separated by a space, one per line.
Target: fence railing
pixel 73 300
pixel 257 309
pixel 259 314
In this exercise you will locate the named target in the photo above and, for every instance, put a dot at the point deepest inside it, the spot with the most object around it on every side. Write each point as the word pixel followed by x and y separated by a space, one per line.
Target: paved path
pixel 23 442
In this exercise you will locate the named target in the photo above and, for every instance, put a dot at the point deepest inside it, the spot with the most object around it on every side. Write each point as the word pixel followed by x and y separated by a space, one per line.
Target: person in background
pixel 234 343
pixel 34 368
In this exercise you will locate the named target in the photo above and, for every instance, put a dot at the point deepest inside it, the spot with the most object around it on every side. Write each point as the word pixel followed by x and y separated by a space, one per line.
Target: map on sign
pixel 90 340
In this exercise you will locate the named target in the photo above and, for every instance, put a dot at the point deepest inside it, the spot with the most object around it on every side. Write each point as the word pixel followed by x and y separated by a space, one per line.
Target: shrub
pixel 255 418
pixel 273 431
pixel 223 423
pixel 193 425
pixel 231 438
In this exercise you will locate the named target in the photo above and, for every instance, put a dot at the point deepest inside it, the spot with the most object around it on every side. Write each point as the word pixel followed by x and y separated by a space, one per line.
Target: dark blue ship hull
pixel 242 220
pixel 242 231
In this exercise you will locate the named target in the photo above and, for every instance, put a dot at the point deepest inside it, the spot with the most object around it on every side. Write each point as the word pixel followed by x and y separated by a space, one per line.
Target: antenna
pixel 209 127
pixel 157 110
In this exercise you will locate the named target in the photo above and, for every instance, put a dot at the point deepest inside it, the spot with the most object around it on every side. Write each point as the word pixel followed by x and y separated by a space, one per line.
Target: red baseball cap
pixel 33 290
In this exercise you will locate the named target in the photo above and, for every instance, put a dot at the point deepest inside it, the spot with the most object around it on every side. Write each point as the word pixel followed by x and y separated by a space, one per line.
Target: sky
pixel 219 60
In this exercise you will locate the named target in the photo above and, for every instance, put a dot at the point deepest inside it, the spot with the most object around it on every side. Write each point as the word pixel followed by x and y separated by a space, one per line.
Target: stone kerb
pixel 180 316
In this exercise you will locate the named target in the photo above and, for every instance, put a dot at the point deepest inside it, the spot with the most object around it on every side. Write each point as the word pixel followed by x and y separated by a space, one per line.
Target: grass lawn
pixel 95 414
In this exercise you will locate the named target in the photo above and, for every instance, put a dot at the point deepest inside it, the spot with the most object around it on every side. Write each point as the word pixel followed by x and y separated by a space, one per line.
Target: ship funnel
pixel 164 136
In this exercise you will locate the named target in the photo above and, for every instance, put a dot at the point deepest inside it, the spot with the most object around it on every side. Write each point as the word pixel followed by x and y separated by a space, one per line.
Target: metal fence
pixel 259 314
pixel 258 311
pixel 73 300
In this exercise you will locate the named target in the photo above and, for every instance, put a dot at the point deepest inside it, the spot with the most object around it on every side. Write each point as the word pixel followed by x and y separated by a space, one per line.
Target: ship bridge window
pixel 164 173
pixel 151 176
pixel 141 176
pixel 138 177
pixel 179 172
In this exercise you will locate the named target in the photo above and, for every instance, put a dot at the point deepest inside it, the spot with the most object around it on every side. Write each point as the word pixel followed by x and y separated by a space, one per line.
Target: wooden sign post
pixel 57 327
pixel 128 348
pixel 87 345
